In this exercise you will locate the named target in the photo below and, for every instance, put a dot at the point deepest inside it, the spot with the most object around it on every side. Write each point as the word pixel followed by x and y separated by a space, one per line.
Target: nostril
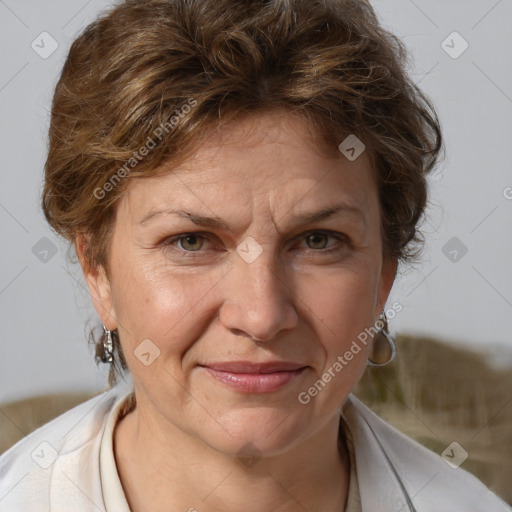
pixel 240 332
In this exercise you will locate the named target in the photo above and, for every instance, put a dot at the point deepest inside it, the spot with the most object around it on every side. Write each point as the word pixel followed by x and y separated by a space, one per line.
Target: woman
pixel 240 181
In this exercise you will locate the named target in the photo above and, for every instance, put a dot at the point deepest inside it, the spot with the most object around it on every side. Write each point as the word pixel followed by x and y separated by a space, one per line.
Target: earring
pixel 105 347
pixel 383 348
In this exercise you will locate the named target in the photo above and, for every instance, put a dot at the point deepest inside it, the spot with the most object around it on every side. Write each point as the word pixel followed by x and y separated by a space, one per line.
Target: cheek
pixel 153 303
pixel 345 302
pixel 343 311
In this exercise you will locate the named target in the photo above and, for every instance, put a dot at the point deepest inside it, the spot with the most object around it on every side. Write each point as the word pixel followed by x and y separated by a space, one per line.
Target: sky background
pixel 461 291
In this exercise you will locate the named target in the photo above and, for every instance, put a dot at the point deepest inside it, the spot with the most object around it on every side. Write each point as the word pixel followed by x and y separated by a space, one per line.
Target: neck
pixel 163 468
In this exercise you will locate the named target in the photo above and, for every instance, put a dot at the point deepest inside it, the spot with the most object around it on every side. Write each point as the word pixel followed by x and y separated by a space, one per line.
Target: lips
pixel 250 377
pixel 250 367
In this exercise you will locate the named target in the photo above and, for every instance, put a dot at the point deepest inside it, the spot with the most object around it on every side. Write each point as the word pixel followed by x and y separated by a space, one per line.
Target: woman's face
pixel 239 279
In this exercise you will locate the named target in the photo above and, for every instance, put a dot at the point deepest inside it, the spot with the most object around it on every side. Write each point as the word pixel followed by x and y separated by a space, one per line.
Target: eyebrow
pixel 218 223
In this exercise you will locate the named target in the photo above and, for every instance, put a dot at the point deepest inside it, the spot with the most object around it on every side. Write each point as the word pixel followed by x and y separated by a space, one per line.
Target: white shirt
pixel 112 489
pixel 68 465
pixel 113 494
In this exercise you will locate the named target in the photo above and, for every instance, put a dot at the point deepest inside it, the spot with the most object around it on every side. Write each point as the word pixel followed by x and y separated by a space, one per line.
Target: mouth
pixel 252 377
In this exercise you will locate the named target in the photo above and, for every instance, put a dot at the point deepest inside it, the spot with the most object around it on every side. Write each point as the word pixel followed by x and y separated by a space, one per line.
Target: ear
pixel 98 284
pixel 387 278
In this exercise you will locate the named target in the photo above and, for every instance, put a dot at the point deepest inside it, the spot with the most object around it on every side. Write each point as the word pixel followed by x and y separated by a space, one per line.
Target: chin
pixel 257 432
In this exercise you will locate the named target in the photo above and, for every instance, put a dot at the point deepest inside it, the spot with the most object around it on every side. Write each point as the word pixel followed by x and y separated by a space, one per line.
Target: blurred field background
pixel 437 393
pixel 434 392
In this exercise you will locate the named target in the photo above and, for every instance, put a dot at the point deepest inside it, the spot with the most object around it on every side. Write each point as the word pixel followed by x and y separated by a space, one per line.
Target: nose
pixel 259 302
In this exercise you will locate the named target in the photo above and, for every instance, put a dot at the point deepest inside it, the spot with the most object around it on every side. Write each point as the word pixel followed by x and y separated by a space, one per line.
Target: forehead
pixel 266 156
pixel 272 131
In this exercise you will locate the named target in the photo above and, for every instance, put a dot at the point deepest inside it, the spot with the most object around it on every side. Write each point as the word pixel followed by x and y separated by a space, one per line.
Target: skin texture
pixel 200 302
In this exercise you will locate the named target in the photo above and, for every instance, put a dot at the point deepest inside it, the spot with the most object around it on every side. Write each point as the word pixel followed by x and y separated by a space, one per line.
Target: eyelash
pixel 193 254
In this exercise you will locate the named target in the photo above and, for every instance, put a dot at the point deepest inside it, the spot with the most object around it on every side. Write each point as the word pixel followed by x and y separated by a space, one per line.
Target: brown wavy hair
pixel 131 74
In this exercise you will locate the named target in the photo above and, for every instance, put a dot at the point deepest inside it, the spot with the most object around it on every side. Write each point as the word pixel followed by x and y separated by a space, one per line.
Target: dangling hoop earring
pixel 383 348
pixel 104 347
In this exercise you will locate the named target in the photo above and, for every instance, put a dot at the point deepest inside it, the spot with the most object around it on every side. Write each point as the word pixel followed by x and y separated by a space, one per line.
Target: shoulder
pixel 422 478
pixel 28 468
